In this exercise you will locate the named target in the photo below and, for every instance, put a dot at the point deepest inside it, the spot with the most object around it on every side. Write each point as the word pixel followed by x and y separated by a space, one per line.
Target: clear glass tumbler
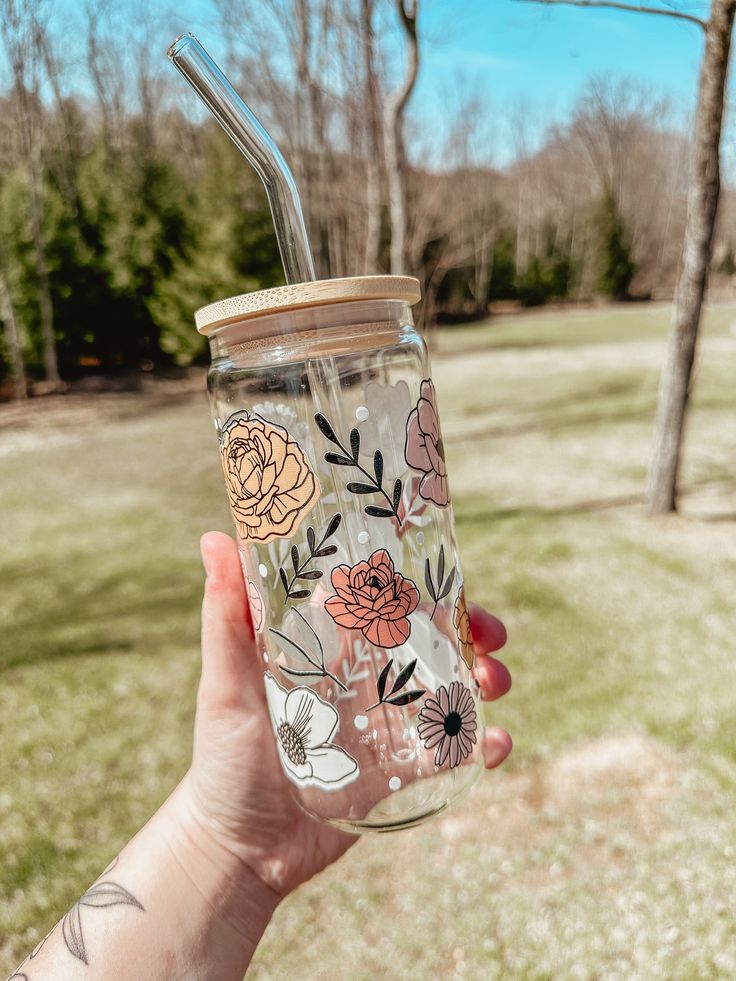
pixel 335 471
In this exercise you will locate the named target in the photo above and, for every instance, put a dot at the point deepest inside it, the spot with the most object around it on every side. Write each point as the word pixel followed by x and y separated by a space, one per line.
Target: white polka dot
pixel 420 538
pixel 363 538
pixel 361 722
pixel 361 413
pixel 263 569
pixel 265 657
pixel 394 783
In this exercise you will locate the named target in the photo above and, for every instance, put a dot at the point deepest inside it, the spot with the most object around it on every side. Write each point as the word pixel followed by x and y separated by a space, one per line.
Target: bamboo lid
pixel 234 309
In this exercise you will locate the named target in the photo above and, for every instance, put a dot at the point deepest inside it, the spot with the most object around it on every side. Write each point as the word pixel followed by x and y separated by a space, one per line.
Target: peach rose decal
pixel 375 599
pixel 424 450
pixel 461 621
pixel 269 481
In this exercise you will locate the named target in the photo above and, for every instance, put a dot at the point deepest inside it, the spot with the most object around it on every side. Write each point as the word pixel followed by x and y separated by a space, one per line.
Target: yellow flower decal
pixel 461 620
pixel 269 481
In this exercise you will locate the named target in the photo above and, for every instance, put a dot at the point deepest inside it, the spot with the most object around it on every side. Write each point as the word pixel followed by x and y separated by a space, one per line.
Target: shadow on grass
pixel 475 511
pixel 470 514
pixel 88 612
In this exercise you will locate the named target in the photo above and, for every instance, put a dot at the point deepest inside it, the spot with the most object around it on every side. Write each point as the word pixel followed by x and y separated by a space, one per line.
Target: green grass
pixel 543 327
pixel 603 849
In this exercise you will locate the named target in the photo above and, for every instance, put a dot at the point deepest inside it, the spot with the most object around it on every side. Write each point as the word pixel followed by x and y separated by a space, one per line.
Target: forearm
pixel 174 905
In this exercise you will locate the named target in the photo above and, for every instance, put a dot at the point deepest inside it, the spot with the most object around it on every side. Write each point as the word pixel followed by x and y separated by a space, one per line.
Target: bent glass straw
pixel 240 124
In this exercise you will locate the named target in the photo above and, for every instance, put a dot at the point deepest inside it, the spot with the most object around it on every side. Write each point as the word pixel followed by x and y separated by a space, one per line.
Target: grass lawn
pixel 604 849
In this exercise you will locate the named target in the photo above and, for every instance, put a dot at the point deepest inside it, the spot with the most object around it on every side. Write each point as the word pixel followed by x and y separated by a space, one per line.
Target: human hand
pixel 235 791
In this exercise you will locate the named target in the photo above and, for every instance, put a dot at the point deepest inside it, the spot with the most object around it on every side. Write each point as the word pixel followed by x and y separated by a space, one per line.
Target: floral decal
pixel 255 602
pixel 424 450
pixel 269 481
pixel 396 696
pixel 443 586
pixel 372 483
pixel 304 725
pixel 461 621
pixel 387 407
pixel 375 599
pixel 449 722
pixel 316 659
pixel 293 588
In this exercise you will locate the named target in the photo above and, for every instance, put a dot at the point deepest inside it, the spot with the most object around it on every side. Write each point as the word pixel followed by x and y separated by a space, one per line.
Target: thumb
pixel 230 668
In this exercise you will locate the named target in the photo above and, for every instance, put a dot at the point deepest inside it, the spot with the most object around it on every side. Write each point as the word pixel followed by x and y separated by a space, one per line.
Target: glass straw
pixel 241 125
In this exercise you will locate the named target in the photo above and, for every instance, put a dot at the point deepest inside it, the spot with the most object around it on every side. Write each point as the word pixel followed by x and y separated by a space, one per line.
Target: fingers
pixel 229 657
pixel 489 634
pixel 493 677
pixel 496 746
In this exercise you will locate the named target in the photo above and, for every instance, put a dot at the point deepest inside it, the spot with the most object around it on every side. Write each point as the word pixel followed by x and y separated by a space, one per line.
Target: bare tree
pixel 12 333
pixel 20 27
pixel 702 208
pixel 393 135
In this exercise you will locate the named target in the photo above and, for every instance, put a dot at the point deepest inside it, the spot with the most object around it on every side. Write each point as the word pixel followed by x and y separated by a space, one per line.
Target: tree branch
pixel 613 5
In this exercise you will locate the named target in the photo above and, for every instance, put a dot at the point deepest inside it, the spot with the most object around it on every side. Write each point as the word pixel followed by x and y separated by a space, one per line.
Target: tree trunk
pixel 393 139
pixel 702 205
pixel 12 339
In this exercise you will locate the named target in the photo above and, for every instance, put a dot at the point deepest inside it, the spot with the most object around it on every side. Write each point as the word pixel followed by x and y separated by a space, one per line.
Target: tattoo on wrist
pixel 103 893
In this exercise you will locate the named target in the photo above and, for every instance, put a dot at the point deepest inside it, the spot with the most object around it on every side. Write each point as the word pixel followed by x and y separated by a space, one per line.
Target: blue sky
pixel 550 50
pixel 512 54
pixel 540 56
pixel 508 54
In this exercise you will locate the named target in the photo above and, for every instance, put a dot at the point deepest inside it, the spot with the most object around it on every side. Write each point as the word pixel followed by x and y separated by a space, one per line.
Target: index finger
pixel 489 634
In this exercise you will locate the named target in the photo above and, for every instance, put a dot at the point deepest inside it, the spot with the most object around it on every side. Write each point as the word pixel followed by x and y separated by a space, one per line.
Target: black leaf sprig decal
pixel 301 572
pixel 442 589
pixel 396 696
pixel 373 483
pixel 99 895
pixel 316 658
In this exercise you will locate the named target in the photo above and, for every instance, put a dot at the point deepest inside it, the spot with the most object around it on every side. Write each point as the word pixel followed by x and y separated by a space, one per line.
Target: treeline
pixel 132 241
pixel 120 215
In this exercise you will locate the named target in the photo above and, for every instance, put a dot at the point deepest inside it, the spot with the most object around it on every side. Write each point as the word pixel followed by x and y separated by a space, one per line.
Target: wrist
pixel 236 895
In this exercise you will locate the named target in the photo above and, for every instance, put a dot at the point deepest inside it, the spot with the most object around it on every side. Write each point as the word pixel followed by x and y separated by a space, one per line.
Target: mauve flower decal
pixel 268 478
pixel 255 602
pixel 461 621
pixel 375 599
pixel 448 721
pixel 304 725
pixel 424 450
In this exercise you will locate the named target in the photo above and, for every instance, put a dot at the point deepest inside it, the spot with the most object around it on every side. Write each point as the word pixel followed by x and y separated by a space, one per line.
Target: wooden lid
pixel 299 295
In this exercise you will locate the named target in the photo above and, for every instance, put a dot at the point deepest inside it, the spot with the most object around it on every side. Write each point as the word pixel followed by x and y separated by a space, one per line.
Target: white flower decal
pixel 304 725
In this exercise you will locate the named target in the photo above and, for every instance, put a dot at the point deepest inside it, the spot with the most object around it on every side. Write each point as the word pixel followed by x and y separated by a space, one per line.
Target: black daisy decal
pixel 449 722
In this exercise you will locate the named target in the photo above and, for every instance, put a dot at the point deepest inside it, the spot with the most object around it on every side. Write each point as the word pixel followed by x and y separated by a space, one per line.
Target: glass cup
pixel 335 471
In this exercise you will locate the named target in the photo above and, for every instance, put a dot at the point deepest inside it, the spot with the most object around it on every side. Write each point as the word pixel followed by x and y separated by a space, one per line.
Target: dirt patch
pixel 631 775
pixel 582 865
pixel 65 420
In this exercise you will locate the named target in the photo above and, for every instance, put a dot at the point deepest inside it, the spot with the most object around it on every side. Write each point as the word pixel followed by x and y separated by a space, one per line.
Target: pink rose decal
pixel 375 599
pixel 424 450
